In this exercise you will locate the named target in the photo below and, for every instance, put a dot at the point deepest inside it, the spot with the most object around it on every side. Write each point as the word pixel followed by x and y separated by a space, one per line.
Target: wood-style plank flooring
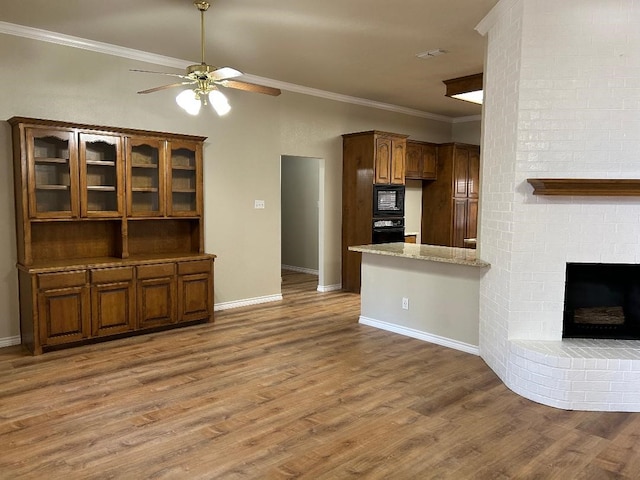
pixel 291 389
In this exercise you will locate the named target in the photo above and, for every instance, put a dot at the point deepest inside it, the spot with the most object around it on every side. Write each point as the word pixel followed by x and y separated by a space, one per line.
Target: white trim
pixel 470 118
pixel 130 53
pixel 310 271
pixel 247 301
pixel 91 45
pixel 10 341
pixel 291 87
pixel 329 288
pixel 420 335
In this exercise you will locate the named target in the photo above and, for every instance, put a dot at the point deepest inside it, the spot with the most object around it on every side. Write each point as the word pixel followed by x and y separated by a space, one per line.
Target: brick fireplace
pixel 562 100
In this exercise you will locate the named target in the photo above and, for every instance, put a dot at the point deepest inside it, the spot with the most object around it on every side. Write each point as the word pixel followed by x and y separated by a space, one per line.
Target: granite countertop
pixel 433 253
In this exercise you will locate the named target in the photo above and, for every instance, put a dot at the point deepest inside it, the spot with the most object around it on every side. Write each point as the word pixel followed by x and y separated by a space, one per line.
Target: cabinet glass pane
pixel 51 168
pixel 101 176
pixel 183 180
pixel 145 172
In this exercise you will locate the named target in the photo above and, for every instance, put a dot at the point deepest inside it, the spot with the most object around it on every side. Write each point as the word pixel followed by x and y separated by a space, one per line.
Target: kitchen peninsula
pixel 423 291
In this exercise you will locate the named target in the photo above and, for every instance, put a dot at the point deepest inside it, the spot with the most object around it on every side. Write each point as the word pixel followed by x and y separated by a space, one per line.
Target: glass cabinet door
pixel 52 173
pixel 100 175
pixel 145 179
pixel 184 176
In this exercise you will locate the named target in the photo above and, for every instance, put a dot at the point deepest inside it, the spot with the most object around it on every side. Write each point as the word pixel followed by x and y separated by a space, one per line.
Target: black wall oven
pixel 388 230
pixel 388 201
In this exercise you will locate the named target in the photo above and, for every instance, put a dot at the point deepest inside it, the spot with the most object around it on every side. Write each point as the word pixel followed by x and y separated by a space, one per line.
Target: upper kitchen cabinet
pixel 450 203
pixel 389 158
pixel 421 160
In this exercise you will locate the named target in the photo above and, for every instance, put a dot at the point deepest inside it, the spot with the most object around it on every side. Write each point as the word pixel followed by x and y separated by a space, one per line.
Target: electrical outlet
pixel 258 204
pixel 405 303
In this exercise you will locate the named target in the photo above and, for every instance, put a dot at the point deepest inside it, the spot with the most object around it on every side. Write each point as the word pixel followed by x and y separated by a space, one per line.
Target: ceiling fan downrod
pixel 203 7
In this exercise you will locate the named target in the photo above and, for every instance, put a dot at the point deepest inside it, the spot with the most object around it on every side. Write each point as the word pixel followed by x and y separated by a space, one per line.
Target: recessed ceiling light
pixel 431 53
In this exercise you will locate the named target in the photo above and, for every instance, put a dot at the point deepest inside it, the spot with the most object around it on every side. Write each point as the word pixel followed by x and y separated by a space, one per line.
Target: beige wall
pixel 443 299
pixel 242 154
pixel 467 132
pixel 300 182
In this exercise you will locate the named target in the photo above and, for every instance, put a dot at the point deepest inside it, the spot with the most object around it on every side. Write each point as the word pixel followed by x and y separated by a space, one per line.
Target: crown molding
pixel 92 45
pixel 139 55
pixel 470 118
pixel 338 97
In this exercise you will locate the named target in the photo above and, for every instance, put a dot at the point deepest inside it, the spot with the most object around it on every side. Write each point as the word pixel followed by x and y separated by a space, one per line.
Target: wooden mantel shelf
pixel 590 187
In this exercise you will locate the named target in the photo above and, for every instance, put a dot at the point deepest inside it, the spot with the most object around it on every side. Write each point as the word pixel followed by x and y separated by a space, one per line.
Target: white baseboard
pixel 329 288
pixel 10 341
pixel 420 335
pixel 247 301
pixel 300 269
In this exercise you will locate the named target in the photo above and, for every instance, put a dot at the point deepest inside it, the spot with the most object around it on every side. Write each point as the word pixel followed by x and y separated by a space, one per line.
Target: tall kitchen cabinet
pixel 368 158
pixel 450 203
pixel 109 232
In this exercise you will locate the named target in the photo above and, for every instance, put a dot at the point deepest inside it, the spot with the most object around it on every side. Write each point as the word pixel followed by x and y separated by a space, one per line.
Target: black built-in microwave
pixel 388 200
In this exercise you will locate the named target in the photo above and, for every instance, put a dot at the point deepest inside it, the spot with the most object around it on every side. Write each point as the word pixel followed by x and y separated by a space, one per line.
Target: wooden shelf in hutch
pixel 587 187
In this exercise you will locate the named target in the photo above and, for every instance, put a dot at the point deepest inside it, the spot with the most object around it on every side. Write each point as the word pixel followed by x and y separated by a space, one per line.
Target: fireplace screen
pixel 602 301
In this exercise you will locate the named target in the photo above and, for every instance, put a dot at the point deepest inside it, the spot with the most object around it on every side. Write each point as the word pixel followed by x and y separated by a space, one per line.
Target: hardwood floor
pixel 291 389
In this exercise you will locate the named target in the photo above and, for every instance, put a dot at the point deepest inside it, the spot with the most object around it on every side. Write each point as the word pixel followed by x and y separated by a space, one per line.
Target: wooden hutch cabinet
pixel 109 232
pixel 450 203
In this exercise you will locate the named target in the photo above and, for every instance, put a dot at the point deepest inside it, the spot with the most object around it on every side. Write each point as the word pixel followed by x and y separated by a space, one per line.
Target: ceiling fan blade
pixel 250 87
pixel 223 73
pixel 159 73
pixel 164 87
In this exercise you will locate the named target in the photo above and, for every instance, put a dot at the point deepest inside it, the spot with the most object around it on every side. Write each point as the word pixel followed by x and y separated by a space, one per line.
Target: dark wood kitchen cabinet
pixel 421 160
pixel 389 158
pixel 90 203
pixel 368 158
pixel 450 203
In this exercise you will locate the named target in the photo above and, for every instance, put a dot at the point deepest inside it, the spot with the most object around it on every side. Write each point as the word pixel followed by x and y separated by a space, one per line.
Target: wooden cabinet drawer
pixel 198 266
pixel 156 271
pixel 108 275
pixel 62 279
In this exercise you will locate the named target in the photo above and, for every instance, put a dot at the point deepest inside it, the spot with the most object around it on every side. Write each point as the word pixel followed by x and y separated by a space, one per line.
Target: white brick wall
pixel 562 99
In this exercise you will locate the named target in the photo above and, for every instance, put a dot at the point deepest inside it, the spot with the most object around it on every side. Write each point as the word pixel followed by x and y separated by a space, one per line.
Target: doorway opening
pixel 302 216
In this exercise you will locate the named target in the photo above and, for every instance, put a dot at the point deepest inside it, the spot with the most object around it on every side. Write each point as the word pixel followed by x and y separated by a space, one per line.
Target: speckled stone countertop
pixel 432 253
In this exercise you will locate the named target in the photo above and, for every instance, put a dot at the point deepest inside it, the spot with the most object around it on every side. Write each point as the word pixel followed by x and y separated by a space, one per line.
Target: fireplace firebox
pixel 602 300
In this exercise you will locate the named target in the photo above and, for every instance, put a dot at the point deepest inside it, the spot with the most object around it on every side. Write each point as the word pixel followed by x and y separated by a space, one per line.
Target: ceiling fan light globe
pixel 219 102
pixel 189 101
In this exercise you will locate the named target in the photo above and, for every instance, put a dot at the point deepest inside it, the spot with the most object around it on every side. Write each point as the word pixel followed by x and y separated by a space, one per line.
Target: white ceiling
pixel 360 48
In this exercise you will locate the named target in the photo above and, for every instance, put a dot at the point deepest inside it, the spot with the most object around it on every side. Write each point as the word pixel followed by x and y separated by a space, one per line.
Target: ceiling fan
pixel 203 81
